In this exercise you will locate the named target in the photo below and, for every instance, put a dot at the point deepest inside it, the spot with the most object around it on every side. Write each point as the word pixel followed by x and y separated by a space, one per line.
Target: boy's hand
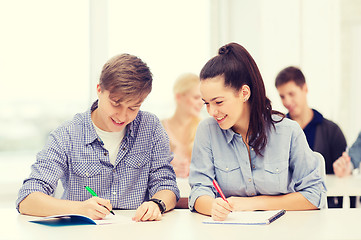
pixel 148 211
pixel 342 166
pixel 96 208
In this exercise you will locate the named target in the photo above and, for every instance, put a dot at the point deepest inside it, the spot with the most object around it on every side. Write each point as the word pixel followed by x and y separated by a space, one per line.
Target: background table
pixel 183 224
pixel 345 186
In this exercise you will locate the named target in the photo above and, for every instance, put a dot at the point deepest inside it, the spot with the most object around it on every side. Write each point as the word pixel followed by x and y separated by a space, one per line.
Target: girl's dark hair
pixel 238 68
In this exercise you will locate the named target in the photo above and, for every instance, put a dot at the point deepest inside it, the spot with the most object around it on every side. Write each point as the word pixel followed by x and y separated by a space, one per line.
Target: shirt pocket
pixel 86 169
pixel 227 174
pixel 276 176
pixel 87 174
pixel 137 160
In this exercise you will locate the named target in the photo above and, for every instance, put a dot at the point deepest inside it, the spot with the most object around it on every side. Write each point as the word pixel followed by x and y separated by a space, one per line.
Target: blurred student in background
pixel 260 159
pixel 182 126
pixel 344 164
pixel 323 135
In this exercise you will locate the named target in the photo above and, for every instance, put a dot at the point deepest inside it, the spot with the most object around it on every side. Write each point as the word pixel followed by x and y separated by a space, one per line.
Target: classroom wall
pixel 321 37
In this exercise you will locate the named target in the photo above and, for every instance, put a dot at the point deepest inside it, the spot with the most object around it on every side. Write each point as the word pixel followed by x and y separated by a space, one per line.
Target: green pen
pixel 95 195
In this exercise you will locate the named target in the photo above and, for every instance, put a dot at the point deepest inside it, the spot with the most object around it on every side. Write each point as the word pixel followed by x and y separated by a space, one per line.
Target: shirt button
pixel 114 193
pixel 249 179
pixel 123 148
pixel 114 170
pixel 277 170
pixel 253 166
pixel 105 154
pixel 252 149
pixel 227 169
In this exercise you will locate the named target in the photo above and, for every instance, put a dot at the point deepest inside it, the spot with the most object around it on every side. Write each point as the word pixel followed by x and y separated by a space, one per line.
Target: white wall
pixel 305 33
pixel 350 77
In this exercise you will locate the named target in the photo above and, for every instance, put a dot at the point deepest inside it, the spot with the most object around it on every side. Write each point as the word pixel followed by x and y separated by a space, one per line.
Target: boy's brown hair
pixel 126 77
pixel 290 74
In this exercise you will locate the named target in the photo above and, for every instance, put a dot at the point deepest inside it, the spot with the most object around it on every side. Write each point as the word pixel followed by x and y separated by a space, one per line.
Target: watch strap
pixel 160 204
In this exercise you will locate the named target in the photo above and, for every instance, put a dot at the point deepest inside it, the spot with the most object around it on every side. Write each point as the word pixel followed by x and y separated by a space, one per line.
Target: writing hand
pixel 96 208
pixel 220 209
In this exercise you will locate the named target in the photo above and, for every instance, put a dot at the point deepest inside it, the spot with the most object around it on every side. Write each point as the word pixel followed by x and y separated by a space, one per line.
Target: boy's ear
pixel 305 88
pixel 99 89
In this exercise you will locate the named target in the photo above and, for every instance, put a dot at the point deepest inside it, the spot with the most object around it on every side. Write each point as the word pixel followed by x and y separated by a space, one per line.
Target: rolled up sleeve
pixel 162 175
pixel 49 167
pixel 355 152
pixel 306 165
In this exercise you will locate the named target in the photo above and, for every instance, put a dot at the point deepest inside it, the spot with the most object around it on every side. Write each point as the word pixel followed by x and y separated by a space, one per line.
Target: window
pixel 44 66
pixel 172 37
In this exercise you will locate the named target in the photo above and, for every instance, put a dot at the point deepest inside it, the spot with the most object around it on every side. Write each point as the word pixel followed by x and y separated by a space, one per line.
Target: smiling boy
pixel 119 151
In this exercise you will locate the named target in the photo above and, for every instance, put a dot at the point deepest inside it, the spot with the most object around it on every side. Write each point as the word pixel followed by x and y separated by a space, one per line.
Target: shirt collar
pixel 90 133
pixel 317 117
pixel 230 134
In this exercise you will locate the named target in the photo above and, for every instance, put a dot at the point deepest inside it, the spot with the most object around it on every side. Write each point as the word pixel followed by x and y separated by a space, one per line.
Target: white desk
pixel 345 186
pixel 182 224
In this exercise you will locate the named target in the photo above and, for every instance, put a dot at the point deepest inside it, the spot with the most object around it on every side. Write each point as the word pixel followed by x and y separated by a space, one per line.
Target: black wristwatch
pixel 160 204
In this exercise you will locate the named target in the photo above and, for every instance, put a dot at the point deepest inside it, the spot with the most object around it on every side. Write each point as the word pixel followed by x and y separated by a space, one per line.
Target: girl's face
pixel 227 106
pixel 191 101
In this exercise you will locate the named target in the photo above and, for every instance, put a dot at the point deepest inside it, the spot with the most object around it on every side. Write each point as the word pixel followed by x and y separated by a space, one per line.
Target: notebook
pixel 249 217
pixel 77 219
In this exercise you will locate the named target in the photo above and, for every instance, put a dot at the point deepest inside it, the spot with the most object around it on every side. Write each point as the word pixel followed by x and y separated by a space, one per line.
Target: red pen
pixel 219 190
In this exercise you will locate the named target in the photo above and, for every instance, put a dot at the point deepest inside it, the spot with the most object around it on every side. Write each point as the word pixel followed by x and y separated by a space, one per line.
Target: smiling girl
pixel 260 159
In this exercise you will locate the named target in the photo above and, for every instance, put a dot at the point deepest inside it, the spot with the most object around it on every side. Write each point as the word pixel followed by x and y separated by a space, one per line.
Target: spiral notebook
pixel 249 217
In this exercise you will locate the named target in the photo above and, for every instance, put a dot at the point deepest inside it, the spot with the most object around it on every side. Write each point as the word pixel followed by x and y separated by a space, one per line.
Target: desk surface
pixel 183 224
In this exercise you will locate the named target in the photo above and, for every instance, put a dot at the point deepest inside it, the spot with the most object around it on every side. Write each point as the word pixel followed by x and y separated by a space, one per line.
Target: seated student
pixel 342 166
pixel 182 126
pixel 323 135
pixel 260 159
pixel 120 152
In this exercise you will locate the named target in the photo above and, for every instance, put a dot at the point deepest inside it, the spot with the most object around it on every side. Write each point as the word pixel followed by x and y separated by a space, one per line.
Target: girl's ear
pixel 245 93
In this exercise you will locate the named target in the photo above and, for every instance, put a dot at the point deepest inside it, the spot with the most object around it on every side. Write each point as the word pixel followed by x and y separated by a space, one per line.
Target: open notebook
pixel 249 217
pixel 77 219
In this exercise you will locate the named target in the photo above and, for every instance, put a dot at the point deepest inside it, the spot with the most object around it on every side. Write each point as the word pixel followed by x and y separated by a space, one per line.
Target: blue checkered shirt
pixel 75 155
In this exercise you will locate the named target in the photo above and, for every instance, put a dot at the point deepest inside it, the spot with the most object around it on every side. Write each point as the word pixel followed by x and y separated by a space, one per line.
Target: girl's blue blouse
pixel 287 164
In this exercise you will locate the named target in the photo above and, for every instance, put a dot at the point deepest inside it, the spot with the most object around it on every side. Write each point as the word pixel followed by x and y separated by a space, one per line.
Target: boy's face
pixel 293 97
pixel 112 115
